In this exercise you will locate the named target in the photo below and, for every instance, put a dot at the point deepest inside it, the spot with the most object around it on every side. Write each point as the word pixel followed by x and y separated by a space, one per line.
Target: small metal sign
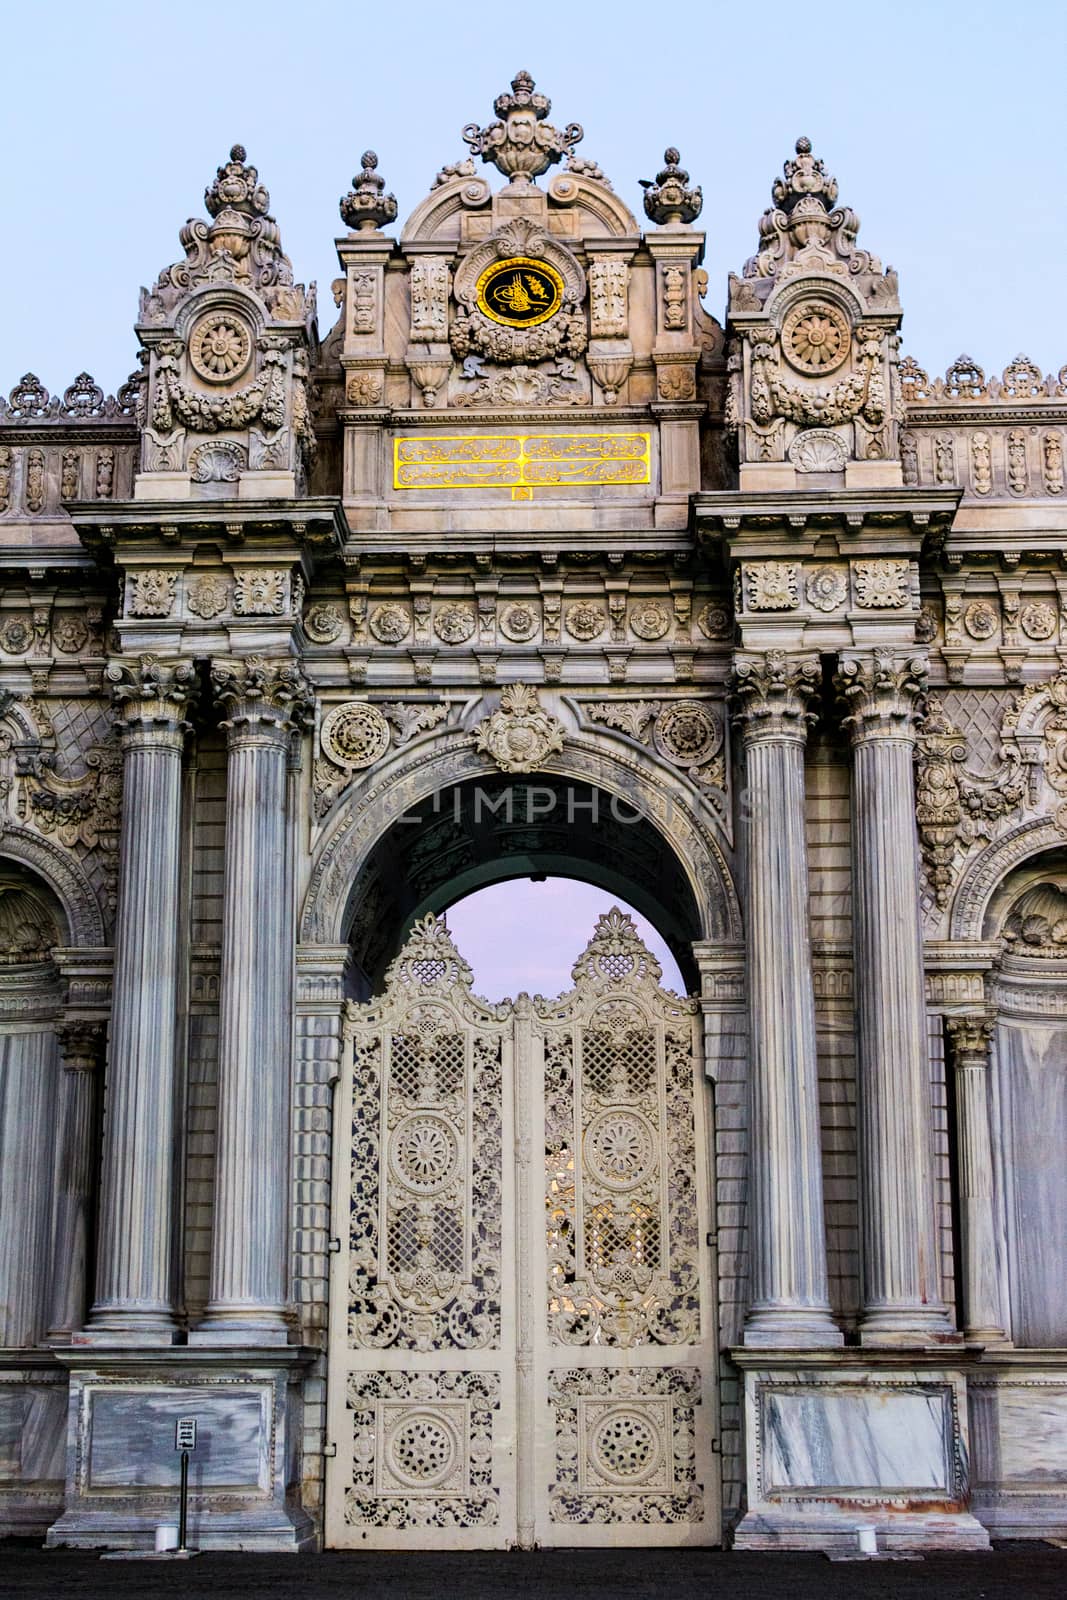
pixel 185 1434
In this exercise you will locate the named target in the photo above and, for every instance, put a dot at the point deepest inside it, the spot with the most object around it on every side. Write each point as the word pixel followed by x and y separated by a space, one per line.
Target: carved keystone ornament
pixel 520 735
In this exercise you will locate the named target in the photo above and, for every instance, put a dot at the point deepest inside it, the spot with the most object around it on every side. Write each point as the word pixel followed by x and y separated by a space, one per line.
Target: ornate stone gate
pixel 521 1337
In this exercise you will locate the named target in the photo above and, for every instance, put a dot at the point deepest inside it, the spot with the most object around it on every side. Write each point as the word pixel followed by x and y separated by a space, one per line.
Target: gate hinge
pixel 329 1450
pixel 334 1246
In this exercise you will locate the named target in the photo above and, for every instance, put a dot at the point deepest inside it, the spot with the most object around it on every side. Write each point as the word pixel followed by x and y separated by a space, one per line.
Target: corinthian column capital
pixel 152 694
pixel 881 695
pixel 970 1034
pixel 81 1043
pixel 772 694
pixel 256 691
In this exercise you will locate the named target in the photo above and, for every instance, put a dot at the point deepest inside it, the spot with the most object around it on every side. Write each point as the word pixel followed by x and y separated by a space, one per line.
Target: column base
pixel 898 1327
pixel 126 1328
pixel 122 1467
pixel 791 1328
pixel 232 1325
pixel 832 1528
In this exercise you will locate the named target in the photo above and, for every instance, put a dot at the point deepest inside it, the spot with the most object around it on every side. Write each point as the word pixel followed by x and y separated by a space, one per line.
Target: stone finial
pixel 367 206
pixel 237 188
pixel 804 182
pixel 669 201
pixel 522 144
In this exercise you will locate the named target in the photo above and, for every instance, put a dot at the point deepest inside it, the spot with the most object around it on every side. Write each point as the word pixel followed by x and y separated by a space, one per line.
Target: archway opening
pixel 489 831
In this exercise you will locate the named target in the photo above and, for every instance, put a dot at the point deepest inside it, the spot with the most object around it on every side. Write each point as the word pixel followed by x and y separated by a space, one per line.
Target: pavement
pixel 1009 1572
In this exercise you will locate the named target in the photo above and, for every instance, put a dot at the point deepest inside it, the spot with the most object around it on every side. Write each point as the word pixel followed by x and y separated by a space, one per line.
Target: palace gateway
pixel 521 562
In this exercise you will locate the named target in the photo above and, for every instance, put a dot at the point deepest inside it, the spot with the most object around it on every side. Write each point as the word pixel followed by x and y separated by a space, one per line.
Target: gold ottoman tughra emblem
pixel 519 292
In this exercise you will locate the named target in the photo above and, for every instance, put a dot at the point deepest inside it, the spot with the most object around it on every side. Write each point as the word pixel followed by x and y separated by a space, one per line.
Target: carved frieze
pixel 520 734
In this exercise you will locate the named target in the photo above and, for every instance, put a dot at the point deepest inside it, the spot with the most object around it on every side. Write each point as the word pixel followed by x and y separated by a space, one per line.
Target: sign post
pixel 184 1440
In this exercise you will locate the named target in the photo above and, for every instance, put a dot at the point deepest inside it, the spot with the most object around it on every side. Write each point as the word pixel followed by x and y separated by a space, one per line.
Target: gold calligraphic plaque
pixel 521 462
pixel 519 292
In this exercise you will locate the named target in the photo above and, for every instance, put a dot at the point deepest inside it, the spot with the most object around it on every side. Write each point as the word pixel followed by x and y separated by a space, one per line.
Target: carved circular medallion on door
pixel 625 1446
pixel 424 1153
pixel 519 292
pixel 620 1149
pixel 354 735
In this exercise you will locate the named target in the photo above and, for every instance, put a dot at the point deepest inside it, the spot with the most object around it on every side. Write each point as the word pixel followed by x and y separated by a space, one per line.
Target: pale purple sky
pixel 525 935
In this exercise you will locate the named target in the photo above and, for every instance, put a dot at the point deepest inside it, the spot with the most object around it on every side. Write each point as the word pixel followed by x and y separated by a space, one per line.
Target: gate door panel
pixel 422 1345
pixel 521 1321
pixel 623 1380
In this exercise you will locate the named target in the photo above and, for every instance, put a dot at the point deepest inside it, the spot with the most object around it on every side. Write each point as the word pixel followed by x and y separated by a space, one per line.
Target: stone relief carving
pixel 260 592
pixel 981 620
pixel 152 594
pixel 429 298
pixel 454 624
pixel 1052 460
pixel 520 735
pixel 16 633
pixel 519 621
pixel 1038 620
pixel 715 622
pixel 221 461
pixel 208 596
pixel 649 620
pixel 35 484
pixel 563 334
pixel 805 230
pixel 826 588
pixel 390 624
pixel 687 733
pixel 882 585
pixel 1018 466
pixel 358 735
pixel 323 623
pixel 70 468
pixel 354 735
pixel 6 462
pixel 817 451
pixel 70 632
pixel 585 621
pixel 981 463
pixel 608 281
pixel 105 474
pixel 771 586
pixel 1036 925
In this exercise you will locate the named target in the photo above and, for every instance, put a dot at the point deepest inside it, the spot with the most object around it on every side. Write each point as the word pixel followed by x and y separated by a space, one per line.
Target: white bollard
pixel 166 1537
pixel 867 1539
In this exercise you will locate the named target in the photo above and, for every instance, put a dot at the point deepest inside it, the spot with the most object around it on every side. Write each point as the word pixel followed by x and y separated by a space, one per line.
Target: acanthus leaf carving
pixel 520 734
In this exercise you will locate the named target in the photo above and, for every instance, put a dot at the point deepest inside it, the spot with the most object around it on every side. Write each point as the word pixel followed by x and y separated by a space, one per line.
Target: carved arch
pixel 63 875
pixel 415 774
pixel 827 286
pixel 984 875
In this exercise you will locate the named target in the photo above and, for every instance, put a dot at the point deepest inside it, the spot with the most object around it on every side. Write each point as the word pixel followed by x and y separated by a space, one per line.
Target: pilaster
pixel 901 1295
pixel 789 1301
pixel 984 1297
pixel 81 1043
pixel 135 1277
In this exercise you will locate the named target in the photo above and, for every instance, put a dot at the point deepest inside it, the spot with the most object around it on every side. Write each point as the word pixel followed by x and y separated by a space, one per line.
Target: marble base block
pixel 122 1465
pixel 33 1415
pixel 847 1441
pixel 1018 1414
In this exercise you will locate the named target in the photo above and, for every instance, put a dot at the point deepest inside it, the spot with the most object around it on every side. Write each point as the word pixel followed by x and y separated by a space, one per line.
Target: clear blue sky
pixel 944 123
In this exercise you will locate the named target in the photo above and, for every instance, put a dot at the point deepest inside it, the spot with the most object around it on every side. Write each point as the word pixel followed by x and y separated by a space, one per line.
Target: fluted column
pixel 789 1301
pixel 135 1276
pixel 81 1044
pixel 261 701
pixel 902 1301
pixel 983 1248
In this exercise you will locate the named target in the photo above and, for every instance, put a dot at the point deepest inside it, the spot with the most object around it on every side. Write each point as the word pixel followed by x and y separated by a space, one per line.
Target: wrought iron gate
pixel 521 1326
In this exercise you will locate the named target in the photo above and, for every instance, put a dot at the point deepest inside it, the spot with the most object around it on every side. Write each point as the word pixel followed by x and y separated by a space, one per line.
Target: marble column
pixel 27 1116
pixel 901 1297
pixel 81 1044
pixel 789 1303
pixel 262 701
pixel 135 1267
pixel 983 1248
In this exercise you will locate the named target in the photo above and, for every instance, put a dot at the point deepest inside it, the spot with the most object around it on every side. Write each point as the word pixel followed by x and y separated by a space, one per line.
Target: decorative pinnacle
pixel 366 206
pixel 669 200
pixel 804 179
pixel 237 188
pixel 522 144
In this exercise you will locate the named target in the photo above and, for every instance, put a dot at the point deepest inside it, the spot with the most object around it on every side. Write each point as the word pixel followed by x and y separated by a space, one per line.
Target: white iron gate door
pixel 521 1329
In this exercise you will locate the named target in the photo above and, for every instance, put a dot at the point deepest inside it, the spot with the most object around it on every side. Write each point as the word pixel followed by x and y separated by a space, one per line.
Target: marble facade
pixel 529 563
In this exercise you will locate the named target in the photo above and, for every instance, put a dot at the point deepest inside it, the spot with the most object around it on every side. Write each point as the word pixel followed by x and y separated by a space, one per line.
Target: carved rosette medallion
pixel 354 735
pixel 1038 620
pixel 16 634
pixel 687 732
pixel 519 621
pixel 585 621
pixel 980 619
pixel 815 337
pixel 208 596
pixel 520 735
pixel 715 622
pixel 323 623
pixel 649 620
pixel 882 585
pixel 454 624
pixel 826 588
pixel 70 633
pixel 220 347
pixel 152 594
pixel 390 624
